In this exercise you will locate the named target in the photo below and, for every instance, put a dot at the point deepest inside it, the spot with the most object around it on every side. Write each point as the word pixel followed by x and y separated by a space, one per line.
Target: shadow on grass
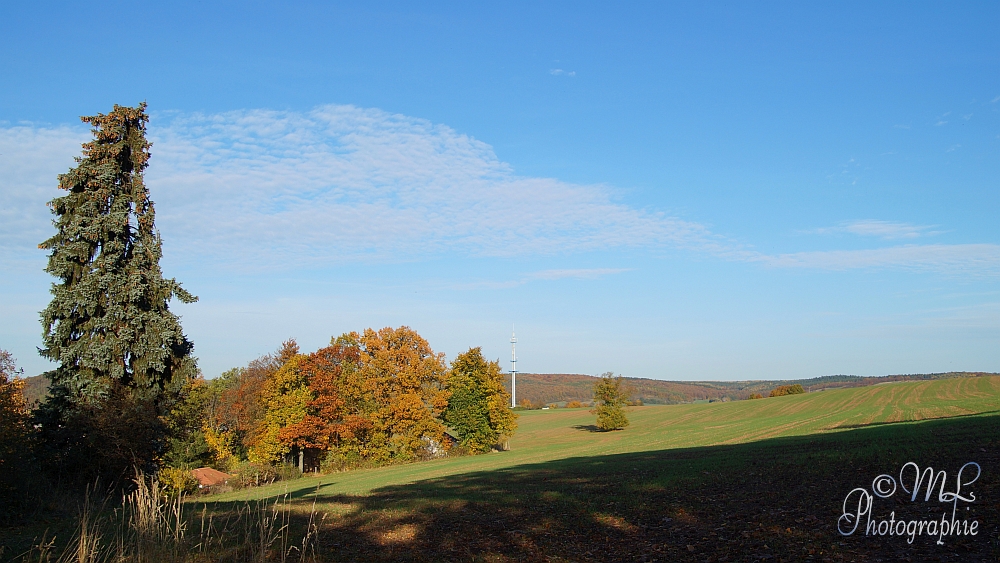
pixel 772 500
pixel 587 427
pixel 886 423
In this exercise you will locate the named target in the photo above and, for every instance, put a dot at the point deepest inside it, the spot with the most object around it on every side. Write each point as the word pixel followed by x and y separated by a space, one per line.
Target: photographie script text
pixel 858 505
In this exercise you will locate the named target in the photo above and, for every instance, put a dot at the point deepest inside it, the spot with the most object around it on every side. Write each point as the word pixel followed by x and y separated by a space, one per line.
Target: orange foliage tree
pixel 405 380
pixel 367 399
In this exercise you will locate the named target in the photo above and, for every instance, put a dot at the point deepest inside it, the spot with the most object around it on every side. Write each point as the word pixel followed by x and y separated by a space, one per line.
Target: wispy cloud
pixel 588 274
pixel 887 230
pixel 940 258
pixel 30 159
pixel 561 72
pixel 544 275
pixel 263 188
pixel 995 100
pixel 259 189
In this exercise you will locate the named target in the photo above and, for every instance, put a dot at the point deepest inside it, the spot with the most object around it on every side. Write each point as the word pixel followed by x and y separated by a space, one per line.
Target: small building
pixel 208 477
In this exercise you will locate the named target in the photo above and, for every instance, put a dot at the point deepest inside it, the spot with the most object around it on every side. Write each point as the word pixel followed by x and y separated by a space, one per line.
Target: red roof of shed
pixel 208 477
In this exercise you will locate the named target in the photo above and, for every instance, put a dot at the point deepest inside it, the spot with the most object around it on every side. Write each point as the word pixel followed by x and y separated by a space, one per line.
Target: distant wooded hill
pixel 547 388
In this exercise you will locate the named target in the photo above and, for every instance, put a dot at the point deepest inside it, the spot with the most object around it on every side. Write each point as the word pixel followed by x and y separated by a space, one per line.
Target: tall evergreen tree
pixel 108 326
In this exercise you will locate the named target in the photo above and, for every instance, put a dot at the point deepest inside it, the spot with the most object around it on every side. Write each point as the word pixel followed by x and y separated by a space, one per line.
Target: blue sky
pixel 680 191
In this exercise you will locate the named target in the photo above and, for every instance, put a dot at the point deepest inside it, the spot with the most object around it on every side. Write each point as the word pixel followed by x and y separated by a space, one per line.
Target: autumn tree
pixel 405 380
pixel 367 399
pixel 610 398
pixel 235 408
pixel 108 325
pixel 13 423
pixel 285 398
pixel 339 417
pixel 478 406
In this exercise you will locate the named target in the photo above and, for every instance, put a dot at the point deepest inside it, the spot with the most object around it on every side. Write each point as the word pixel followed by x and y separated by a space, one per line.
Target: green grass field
pixel 547 435
pixel 740 481
pixel 760 480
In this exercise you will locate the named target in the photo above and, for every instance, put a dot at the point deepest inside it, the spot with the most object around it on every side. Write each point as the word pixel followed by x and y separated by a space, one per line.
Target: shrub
pixel 176 481
pixel 287 472
pixel 250 474
pixel 755 396
pixel 341 459
pixel 574 405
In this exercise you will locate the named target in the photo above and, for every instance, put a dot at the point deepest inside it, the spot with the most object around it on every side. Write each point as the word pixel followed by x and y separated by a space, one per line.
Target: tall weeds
pixel 151 527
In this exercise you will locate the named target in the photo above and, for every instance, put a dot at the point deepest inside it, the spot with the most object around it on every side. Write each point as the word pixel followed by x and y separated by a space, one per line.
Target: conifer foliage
pixel 108 325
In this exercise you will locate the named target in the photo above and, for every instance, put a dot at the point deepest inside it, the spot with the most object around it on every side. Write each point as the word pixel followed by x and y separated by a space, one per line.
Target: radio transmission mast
pixel 513 370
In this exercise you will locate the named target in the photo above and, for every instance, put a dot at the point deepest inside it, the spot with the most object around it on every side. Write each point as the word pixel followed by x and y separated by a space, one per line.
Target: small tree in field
pixel 610 398
pixel 118 346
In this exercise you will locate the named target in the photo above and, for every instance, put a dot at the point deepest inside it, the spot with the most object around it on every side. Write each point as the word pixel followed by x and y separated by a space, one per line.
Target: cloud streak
pixel 546 275
pixel 940 258
pixel 587 274
pixel 887 230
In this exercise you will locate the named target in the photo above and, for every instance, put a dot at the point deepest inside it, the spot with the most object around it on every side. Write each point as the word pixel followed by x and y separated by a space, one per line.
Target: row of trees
pixel 367 399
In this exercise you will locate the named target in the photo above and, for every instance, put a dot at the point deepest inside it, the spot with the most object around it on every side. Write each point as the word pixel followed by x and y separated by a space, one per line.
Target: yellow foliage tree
pixel 222 444
pixel 285 398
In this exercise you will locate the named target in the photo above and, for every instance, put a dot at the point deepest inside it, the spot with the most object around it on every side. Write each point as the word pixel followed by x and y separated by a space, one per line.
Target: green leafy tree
pixel 477 409
pixel 187 447
pixel 108 325
pixel 610 398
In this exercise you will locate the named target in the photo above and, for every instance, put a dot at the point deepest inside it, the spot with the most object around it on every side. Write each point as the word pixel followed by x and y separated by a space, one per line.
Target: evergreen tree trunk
pixel 108 325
